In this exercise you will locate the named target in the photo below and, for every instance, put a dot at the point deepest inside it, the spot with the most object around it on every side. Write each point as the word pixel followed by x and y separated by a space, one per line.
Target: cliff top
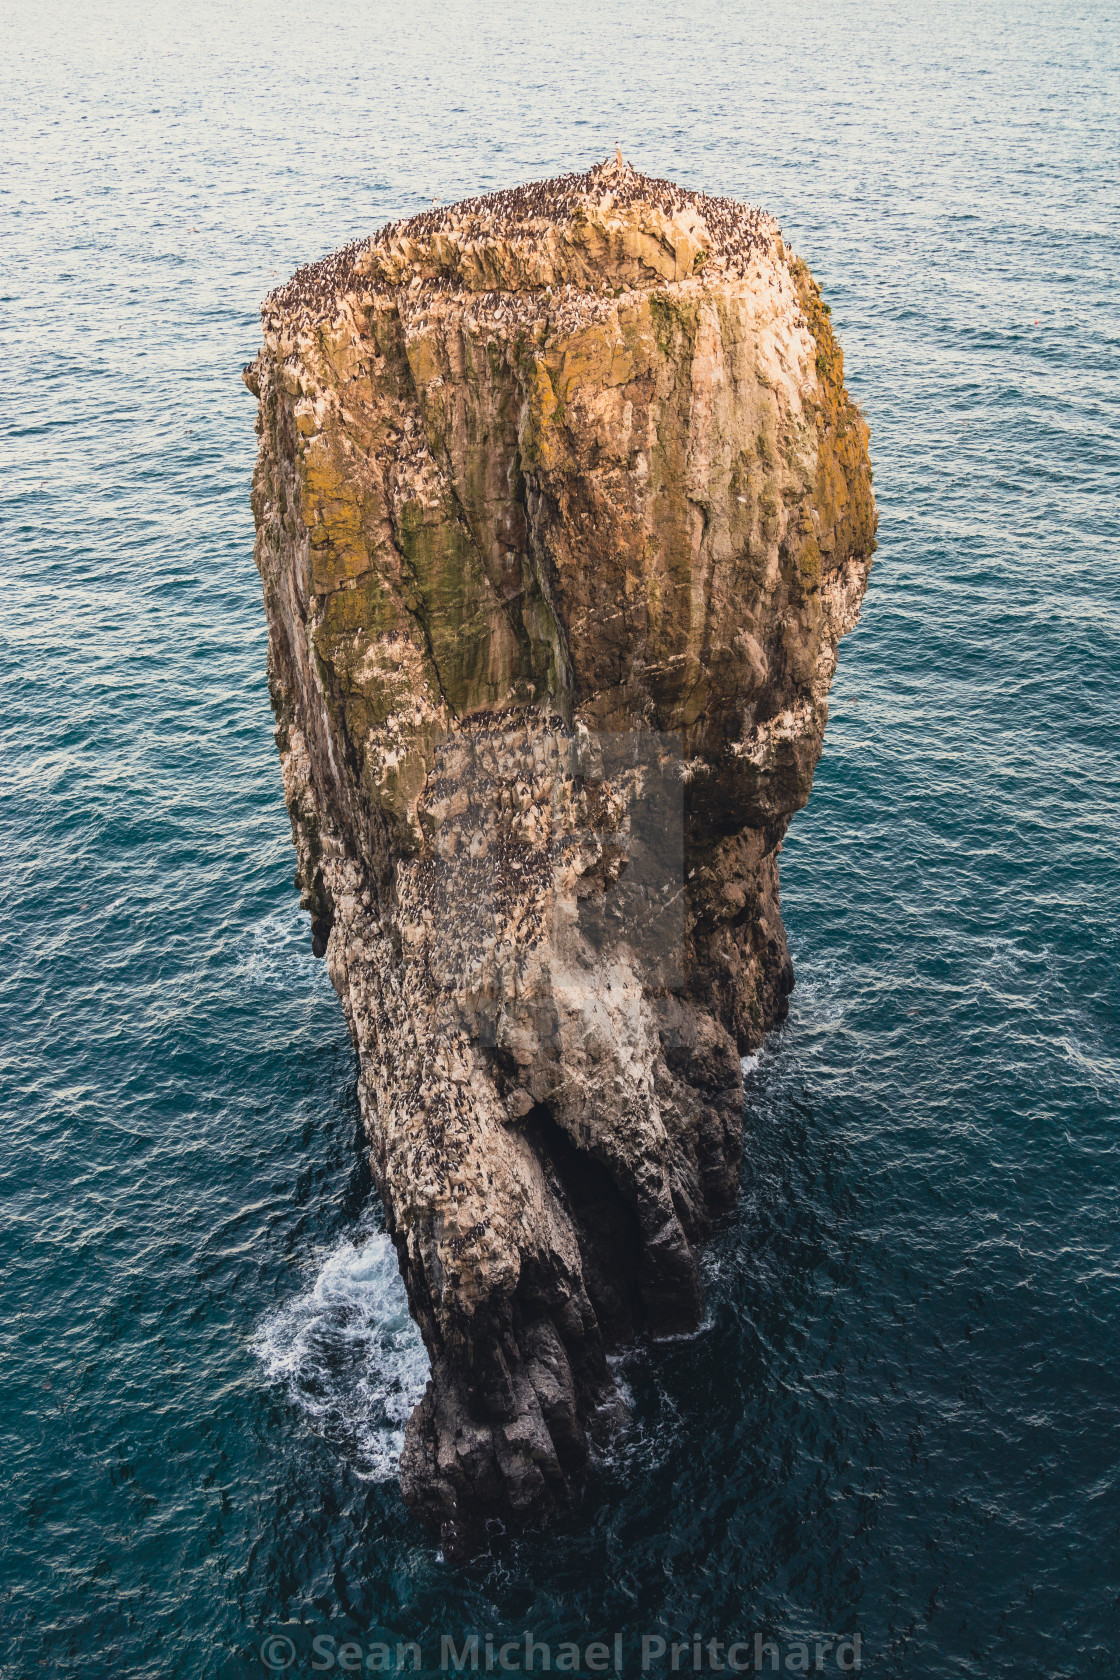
pixel 544 233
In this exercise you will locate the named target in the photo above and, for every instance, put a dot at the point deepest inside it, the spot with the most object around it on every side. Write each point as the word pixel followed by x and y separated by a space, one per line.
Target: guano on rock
pixel 562 508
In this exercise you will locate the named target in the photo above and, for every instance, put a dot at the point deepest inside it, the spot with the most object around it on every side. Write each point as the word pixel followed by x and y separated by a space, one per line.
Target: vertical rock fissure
pixel 607 1230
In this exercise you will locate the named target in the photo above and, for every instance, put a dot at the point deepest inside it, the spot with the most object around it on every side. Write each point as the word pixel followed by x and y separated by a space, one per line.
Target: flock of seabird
pixel 735 231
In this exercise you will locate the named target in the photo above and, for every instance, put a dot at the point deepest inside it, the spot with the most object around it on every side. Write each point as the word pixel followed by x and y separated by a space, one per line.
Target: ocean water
pixel 903 1416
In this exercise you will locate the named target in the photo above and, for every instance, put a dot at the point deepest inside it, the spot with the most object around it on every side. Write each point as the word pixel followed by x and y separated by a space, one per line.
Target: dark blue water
pixel 904 1416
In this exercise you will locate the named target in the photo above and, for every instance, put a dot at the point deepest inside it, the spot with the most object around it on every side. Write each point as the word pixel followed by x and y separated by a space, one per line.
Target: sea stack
pixel 562 509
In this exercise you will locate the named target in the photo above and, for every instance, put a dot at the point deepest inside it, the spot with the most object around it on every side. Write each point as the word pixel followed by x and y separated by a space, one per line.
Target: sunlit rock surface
pixel 562 509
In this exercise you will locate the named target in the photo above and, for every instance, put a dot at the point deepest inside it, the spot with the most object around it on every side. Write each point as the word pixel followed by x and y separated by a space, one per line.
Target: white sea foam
pixel 277 953
pixel 348 1355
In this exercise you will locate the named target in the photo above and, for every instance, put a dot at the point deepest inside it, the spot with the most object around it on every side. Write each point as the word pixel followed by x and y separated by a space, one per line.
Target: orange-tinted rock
pixel 562 510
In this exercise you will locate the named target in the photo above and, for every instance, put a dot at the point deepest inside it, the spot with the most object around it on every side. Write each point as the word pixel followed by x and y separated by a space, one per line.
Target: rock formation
pixel 562 509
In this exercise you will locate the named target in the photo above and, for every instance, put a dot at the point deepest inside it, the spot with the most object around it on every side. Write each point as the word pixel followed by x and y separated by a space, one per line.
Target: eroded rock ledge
pixel 562 509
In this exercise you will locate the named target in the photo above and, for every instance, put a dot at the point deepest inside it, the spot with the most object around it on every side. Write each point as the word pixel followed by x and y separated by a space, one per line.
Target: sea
pixel 894 1447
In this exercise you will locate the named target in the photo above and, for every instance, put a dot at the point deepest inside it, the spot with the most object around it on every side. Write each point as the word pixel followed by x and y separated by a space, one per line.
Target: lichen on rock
pixel 562 509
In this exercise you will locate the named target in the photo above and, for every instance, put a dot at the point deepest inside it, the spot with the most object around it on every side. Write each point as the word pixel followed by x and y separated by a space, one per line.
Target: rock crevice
pixel 562 509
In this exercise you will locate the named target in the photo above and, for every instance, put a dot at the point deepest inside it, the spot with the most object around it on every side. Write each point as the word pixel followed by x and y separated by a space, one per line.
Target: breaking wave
pixel 348 1354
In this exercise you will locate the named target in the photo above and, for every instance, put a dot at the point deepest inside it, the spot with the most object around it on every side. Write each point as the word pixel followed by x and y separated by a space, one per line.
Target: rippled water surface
pixel 902 1418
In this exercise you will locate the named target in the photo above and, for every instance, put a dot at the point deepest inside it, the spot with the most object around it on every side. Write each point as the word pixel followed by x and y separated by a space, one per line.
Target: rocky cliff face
pixel 562 509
